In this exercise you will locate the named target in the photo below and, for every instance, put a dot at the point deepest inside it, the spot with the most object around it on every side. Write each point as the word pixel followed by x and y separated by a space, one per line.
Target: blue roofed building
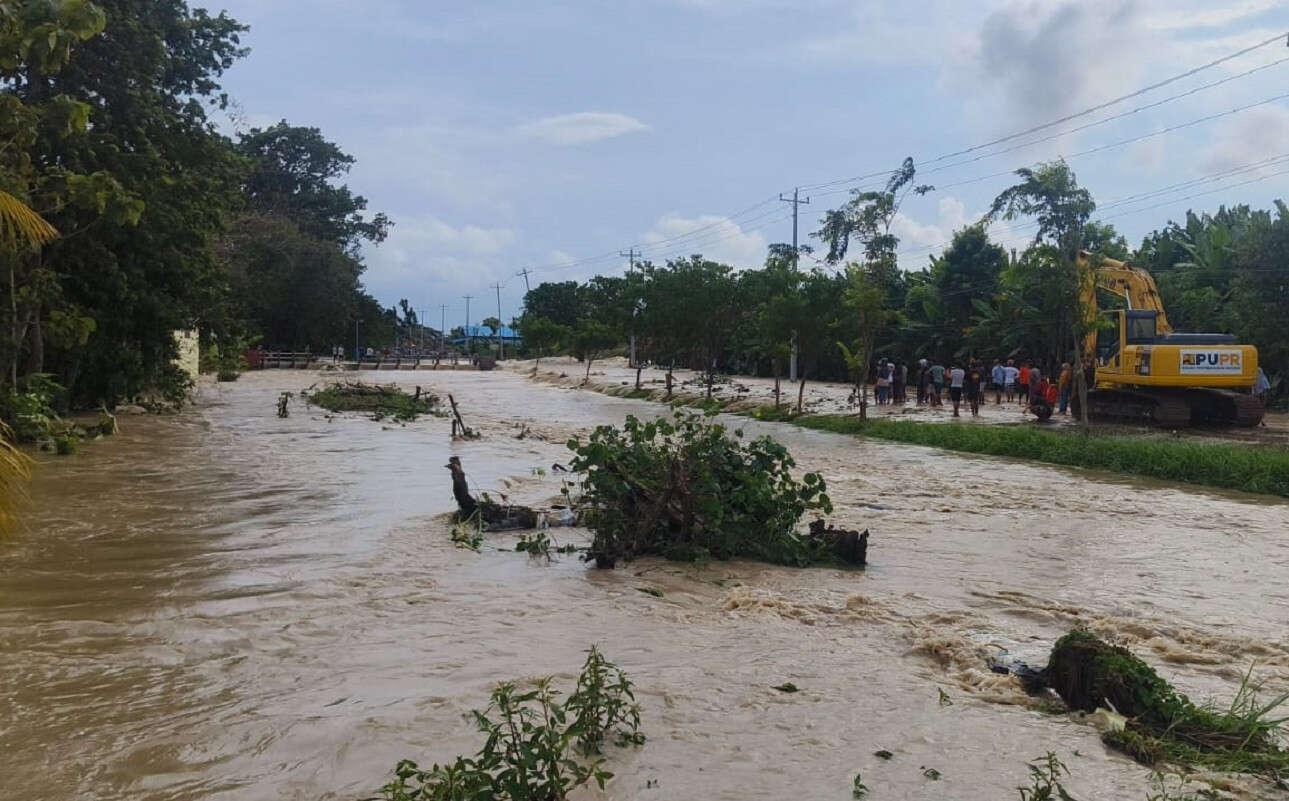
pixel 481 335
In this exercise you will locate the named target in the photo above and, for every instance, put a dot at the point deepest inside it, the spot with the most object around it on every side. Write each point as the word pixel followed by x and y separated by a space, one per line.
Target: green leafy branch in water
pixel 1045 780
pixel 688 489
pixel 533 742
pixel 468 533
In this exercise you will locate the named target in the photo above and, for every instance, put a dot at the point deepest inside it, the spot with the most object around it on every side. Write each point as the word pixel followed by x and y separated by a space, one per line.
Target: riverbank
pixel 231 605
pixel 1199 458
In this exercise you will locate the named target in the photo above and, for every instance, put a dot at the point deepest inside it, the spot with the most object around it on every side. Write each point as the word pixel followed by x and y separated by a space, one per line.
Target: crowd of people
pixel 969 382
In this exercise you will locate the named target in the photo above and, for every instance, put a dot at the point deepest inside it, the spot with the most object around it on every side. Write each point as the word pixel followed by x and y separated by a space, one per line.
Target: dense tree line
pixel 1225 272
pixel 165 224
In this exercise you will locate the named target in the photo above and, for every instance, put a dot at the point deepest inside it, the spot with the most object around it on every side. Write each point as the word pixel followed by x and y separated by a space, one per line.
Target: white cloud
pixel 919 241
pixel 1173 18
pixel 1257 135
pixel 715 237
pixel 581 127
pixel 422 251
pixel 1047 59
pixel 951 215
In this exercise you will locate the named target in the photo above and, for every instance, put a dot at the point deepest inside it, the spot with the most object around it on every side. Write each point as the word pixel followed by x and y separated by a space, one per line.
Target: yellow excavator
pixel 1144 371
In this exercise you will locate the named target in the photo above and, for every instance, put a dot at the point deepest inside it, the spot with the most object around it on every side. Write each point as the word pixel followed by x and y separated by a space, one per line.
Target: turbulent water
pixel 228 605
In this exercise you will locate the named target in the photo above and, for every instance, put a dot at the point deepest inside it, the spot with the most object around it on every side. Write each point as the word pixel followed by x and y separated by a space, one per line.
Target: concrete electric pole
pixel 796 202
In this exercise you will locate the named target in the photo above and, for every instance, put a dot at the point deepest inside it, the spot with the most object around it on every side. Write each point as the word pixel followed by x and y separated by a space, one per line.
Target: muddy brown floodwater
pixel 227 605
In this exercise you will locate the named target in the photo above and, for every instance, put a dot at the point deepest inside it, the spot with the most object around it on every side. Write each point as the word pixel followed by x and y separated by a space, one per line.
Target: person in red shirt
pixel 1023 387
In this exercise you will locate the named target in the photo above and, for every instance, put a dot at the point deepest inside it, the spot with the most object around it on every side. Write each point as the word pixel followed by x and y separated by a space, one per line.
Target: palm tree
pixel 20 229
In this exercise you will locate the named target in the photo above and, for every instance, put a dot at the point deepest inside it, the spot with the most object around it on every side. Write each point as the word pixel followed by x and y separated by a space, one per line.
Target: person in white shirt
pixel 1010 376
pixel 956 376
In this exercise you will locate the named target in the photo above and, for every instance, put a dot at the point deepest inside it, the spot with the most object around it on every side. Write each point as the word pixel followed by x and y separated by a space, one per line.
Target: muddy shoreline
pixel 228 605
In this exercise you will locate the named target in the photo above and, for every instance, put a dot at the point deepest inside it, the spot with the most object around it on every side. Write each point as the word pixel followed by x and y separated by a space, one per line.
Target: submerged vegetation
pixel 1250 468
pixel 1162 724
pixel 380 401
pixel 537 747
pixel 686 488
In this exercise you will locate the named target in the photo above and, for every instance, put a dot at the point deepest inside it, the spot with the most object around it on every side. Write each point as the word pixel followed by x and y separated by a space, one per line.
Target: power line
pixel 1139 197
pixel 1098 107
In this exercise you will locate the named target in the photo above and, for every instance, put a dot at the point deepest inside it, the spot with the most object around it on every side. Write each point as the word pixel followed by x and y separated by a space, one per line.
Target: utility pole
pixel 501 347
pixel 796 202
pixel 631 255
pixel 443 332
pixel 525 273
pixel 466 330
pixel 420 323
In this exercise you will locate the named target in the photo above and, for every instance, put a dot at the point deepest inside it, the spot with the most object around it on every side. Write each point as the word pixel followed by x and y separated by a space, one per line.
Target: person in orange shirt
pixel 1023 387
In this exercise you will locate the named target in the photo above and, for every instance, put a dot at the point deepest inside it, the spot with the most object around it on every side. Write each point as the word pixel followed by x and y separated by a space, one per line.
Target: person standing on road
pixel 956 378
pixel 1022 387
pixel 937 382
pixel 1262 389
pixel 998 376
pixel 975 386
pixel 883 383
pixel 1010 376
pixel 904 383
pixel 1064 384
pixel 897 382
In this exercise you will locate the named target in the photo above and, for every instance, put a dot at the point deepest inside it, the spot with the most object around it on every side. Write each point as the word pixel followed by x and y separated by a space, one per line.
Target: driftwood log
pixel 848 545
pixel 493 516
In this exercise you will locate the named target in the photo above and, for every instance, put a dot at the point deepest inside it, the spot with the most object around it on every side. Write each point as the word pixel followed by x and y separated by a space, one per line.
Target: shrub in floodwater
pixel 1045 780
pixel 1164 725
pixel 380 401
pixel 685 489
pixel 533 743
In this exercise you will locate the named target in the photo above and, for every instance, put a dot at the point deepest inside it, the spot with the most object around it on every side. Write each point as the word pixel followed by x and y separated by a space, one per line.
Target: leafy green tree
pixel 136 178
pixel 591 339
pixel 560 302
pixel 816 318
pixel 543 336
pixel 867 217
pixel 292 255
pixel 293 175
pixel 864 311
pixel 493 324
pixel 1260 293
pixel 1051 194
pixel 768 297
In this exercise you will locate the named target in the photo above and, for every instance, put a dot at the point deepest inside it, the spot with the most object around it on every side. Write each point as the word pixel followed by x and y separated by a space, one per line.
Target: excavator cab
pixel 1125 341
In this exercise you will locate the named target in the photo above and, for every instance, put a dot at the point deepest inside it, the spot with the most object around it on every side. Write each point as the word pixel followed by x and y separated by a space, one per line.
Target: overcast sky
pixel 508 134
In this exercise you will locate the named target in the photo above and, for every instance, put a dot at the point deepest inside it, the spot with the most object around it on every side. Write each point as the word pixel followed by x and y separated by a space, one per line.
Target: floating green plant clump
pixel 387 401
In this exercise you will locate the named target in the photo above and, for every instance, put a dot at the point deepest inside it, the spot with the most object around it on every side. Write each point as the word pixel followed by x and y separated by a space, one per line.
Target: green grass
pixel 1250 468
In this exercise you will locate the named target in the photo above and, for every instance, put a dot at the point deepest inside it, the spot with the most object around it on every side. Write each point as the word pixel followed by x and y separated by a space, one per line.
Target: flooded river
pixel 228 605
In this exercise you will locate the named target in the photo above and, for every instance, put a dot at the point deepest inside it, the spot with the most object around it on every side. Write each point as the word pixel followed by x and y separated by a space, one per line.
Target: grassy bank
pixel 1251 468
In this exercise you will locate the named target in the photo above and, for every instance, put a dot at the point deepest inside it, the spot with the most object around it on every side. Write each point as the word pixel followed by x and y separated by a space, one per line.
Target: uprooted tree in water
pixel 685 489
pixel 1158 723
